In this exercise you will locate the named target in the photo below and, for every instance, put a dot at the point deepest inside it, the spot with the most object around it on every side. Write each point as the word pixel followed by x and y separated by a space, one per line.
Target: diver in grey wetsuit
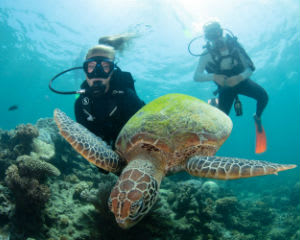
pixel 226 63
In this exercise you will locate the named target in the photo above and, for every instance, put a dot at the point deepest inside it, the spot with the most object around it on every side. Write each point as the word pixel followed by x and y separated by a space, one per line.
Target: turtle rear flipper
pixel 232 168
pixel 87 144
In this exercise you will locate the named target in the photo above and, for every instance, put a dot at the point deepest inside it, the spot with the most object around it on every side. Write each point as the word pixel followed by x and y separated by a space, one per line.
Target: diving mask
pixel 212 31
pixel 98 67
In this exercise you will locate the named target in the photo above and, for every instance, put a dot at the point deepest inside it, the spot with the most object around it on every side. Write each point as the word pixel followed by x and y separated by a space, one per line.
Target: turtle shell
pixel 174 127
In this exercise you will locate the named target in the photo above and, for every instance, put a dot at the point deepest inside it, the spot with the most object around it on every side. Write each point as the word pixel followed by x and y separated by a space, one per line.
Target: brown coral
pixel 30 199
pixel 23 137
pixel 226 205
pixel 27 191
pixel 24 180
pixel 36 168
pixel 25 133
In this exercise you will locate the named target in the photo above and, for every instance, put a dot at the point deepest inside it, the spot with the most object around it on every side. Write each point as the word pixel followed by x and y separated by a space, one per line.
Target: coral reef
pixel 22 141
pixel 226 205
pixel 42 150
pixel 14 143
pixel 6 207
pixel 28 192
pixel 210 189
pixel 37 204
pixel 24 171
pixel 35 168
pixel 25 181
pixel 47 130
pixel 30 198
pixel 23 137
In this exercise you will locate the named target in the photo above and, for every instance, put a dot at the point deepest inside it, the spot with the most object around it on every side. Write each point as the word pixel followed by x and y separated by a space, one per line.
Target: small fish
pixel 13 107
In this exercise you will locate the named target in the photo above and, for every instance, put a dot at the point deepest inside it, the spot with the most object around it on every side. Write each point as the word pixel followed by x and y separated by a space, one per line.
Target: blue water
pixel 41 38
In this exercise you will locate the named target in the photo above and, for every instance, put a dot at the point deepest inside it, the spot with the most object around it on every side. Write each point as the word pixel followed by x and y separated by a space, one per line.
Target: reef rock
pixel 210 189
pixel 42 150
pixel 48 130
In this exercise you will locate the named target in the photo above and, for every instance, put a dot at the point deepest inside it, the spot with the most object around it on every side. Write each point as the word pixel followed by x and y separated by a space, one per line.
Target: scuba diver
pixel 110 98
pixel 225 62
pixel 107 96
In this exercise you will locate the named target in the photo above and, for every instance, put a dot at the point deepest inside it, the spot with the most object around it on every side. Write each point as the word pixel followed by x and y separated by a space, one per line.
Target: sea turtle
pixel 173 133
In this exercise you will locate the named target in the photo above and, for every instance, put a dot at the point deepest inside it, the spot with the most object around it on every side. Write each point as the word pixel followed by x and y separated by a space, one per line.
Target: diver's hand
pixel 233 81
pixel 220 79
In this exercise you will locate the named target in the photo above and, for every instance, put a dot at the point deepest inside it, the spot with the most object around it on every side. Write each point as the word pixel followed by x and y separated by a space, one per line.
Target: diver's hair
pixel 101 50
pixel 119 42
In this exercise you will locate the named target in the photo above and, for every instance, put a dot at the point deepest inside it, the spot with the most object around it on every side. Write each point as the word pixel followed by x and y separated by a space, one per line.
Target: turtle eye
pixel 109 203
pixel 136 208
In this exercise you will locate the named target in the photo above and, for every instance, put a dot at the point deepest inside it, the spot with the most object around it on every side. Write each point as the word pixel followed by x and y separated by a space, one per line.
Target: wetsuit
pixel 107 114
pixel 233 61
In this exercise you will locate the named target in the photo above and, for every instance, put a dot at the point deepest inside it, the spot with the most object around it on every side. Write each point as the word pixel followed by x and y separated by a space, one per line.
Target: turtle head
pixel 132 197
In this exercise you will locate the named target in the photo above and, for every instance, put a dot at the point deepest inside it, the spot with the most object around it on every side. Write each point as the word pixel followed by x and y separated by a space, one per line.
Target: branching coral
pixel 185 198
pixel 26 181
pixel 6 207
pixel 28 192
pixel 30 199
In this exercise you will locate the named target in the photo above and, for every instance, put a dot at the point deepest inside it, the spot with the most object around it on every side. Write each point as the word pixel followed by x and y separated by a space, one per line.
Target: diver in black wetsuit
pixel 228 65
pixel 110 98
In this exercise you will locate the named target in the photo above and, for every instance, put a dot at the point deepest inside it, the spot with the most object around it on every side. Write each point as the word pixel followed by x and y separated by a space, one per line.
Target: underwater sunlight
pixel 124 145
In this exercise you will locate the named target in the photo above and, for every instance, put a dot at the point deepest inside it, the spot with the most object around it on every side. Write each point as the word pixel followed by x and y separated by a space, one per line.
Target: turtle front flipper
pixel 232 168
pixel 87 144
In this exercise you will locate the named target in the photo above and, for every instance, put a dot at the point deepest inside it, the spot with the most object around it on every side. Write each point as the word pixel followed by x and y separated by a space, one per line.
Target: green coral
pixel 80 187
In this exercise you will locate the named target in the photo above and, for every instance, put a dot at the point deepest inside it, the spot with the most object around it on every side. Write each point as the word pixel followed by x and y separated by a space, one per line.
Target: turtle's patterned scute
pixel 137 191
pixel 177 113
pixel 86 143
pixel 230 168
pixel 177 125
